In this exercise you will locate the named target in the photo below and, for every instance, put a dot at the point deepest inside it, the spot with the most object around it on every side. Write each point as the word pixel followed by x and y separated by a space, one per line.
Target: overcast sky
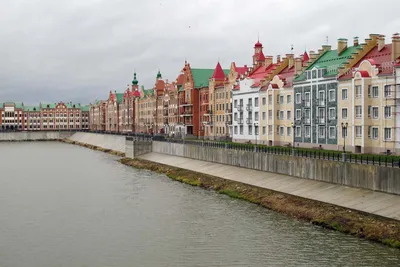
pixel 79 50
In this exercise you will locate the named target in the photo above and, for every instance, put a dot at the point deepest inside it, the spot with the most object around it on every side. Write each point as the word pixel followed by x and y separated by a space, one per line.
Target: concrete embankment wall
pixel 135 147
pixel 33 136
pixel 107 141
pixel 377 178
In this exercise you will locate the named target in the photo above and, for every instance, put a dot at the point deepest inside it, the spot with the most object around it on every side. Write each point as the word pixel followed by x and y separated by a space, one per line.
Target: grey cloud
pixel 80 50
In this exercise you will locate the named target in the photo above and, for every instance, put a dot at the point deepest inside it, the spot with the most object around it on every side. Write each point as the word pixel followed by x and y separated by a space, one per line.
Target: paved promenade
pixel 382 204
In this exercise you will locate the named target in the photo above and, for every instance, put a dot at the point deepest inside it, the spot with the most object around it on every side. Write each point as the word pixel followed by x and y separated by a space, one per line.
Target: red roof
pixel 306 58
pixel 258 44
pixel 218 73
pixel 179 80
pixel 260 56
pixel 160 85
pixel 259 73
pixel 382 59
pixel 286 75
pixel 364 73
pixel 136 93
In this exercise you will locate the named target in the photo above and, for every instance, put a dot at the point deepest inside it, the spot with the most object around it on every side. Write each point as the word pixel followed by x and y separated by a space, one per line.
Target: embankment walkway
pixel 381 204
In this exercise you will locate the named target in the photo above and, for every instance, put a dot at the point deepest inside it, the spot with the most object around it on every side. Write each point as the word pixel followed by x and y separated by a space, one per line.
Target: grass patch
pixel 374 228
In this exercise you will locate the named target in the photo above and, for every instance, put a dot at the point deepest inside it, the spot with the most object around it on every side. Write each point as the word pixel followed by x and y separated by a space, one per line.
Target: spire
pixel 134 81
pixel 159 76
pixel 218 73
pixel 305 57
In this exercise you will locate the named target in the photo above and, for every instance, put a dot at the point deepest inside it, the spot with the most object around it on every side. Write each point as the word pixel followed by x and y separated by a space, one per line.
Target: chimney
pixel 290 58
pixel 298 65
pixel 268 60
pixel 342 45
pixel 355 41
pixel 313 56
pixel 395 46
pixel 381 42
pixel 326 48
pixel 278 59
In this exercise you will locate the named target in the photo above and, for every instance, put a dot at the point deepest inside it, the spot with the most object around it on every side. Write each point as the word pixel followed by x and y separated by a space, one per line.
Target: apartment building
pixel 369 100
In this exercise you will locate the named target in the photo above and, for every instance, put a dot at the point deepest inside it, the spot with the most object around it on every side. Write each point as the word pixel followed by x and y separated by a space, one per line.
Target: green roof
pixel 50 105
pixel 330 61
pixel 148 92
pixel 31 108
pixel 85 108
pixel 201 76
pixel 120 97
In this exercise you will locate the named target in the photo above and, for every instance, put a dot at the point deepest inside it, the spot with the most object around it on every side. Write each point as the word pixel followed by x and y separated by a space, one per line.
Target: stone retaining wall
pixel 378 178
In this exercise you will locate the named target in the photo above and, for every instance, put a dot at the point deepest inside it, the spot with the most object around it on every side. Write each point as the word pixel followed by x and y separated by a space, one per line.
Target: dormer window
pixel 314 74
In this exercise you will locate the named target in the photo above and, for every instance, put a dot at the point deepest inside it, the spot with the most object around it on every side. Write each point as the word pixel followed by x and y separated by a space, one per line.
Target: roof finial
pixel 291 48
pixel 258 36
pixel 327 39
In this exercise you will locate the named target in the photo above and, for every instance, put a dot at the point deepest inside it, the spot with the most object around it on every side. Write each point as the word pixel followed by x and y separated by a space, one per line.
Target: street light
pixel 294 140
pixel 344 130
pixel 255 133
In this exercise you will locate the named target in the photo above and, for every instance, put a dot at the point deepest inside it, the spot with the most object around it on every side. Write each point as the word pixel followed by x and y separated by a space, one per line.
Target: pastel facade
pixel 369 101
pixel 44 117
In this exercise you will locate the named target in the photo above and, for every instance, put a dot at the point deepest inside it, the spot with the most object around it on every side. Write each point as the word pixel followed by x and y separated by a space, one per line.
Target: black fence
pixel 325 155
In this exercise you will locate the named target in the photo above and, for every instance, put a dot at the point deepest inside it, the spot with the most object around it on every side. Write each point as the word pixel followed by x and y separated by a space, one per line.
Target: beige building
pixel 112 112
pixel 368 101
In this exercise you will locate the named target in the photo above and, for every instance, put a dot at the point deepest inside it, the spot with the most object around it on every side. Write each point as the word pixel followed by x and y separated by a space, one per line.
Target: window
pixel 298 114
pixel 321 115
pixel 241 129
pixel 314 74
pixel 250 129
pixel 321 98
pixel 281 131
pixel 289 131
pixel 375 132
pixel 264 116
pixel 332 114
pixel 344 94
pixel 388 90
pixel 270 100
pixel 289 99
pixel 332 96
pixel 256 102
pixel 235 116
pixel 307 99
pixel 264 130
pixel 298 131
pixel 270 114
pixel 388 112
pixel 235 103
pixel 332 132
pixel 298 98
pixel 256 116
pixel 321 131
pixel 388 133
pixel 264 101
pixel 289 115
pixel 269 129
pixel 375 112
pixel 358 91
pixel 307 131
pixel 358 111
pixel 358 131
pixel 281 115
pixel 308 115
pixel 281 99
pixel 344 113
pixel 375 91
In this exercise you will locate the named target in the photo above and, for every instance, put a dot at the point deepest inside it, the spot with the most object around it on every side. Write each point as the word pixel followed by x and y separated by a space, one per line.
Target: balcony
pixel 240 108
pixel 249 120
pixel 165 112
pixel 239 120
pixel 186 114
pixel 185 104
pixel 208 113
pixel 307 103
pixel 249 107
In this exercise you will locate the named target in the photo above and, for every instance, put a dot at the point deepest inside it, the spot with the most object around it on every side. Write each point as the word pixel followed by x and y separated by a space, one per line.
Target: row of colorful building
pixel 326 99
pixel 51 116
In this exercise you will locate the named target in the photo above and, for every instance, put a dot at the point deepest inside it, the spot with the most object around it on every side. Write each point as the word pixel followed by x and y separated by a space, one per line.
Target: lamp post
pixel 255 134
pixel 294 140
pixel 344 131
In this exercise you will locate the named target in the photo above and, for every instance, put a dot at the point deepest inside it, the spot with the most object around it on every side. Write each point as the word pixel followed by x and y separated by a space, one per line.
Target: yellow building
pixel 367 101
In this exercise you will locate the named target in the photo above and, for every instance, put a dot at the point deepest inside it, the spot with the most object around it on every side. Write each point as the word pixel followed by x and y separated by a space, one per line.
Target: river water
pixel 63 205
